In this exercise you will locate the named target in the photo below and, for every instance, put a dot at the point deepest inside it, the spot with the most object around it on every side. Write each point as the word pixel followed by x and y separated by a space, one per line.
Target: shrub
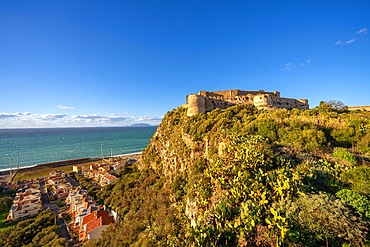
pixel 178 186
pixel 5 203
pixel 359 202
pixel 358 178
pixel 363 144
pixel 344 155
pixel 323 219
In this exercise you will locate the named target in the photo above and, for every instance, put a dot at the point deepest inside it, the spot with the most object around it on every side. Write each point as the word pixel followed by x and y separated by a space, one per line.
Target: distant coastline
pixel 30 147
pixel 80 127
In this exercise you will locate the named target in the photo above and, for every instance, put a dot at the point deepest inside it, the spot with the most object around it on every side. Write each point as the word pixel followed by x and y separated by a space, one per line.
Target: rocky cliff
pixel 246 177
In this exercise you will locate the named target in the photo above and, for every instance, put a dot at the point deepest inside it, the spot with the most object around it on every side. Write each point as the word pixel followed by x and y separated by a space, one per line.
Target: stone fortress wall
pixel 204 101
pixel 354 108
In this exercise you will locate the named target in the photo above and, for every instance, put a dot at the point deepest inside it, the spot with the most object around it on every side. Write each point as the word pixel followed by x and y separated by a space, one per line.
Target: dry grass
pixel 44 172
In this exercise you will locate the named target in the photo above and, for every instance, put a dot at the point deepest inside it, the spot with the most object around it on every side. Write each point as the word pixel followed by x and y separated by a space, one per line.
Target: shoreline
pixel 61 163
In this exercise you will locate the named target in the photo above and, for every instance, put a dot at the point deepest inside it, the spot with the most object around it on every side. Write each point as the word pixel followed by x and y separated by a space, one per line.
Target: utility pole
pixel 101 151
pixel 11 172
pixel 18 161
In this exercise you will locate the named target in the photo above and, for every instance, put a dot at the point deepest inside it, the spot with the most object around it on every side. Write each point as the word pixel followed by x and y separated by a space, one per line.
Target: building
pixel 88 218
pixel 354 108
pixel 77 169
pixel 94 223
pixel 56 177
pixel 100 174
pixel 59 187
pixel 60 191
pixel 26 203
pixel 204 101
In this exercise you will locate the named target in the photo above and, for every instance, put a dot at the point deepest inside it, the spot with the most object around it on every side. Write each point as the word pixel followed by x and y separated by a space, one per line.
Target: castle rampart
pixel 204 101
pixel 354 108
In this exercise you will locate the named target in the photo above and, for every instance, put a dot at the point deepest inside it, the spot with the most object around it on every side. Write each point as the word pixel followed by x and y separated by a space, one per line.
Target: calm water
pixel 37 146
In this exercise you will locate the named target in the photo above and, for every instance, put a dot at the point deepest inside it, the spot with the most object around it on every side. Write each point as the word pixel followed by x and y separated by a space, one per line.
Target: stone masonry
pixel 204 101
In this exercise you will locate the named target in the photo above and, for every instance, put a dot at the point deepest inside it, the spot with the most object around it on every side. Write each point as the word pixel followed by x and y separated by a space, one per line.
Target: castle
pixel 204 101
pixel 354 108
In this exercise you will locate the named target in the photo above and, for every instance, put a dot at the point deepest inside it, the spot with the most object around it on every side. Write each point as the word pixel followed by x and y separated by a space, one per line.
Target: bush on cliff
pixel 243 177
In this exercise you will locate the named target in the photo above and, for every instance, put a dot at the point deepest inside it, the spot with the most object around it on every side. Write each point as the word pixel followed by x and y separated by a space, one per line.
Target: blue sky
pixel 105 63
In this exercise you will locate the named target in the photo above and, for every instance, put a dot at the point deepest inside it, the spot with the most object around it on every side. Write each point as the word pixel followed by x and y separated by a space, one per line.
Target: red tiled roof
pixel 94 224
pixel 88 218
pixel 102 213
pixel 107 220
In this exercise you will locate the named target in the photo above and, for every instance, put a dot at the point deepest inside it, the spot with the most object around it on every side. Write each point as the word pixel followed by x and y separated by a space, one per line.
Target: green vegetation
pixel 38 173
pixel 44 172
pixel 359 202
pixel 35 232
pixel 5 204
pixel 243 177
pixel 91 188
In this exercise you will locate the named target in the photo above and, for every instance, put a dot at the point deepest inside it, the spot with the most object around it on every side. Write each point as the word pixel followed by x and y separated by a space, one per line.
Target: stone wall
pixel 207 101
pixel 353 108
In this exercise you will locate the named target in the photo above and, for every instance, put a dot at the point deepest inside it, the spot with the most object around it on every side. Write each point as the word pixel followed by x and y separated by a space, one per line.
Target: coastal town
pixel 70 196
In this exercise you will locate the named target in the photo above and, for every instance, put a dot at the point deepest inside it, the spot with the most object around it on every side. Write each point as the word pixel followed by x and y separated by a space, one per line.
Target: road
pixel 72 181
pixel 54 207
pixel 63 228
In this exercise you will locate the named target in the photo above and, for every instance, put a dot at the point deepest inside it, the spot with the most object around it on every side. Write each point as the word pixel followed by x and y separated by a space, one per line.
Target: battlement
pixel 204 101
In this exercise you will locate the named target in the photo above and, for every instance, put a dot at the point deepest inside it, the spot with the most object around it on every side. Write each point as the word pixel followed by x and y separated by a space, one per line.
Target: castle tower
pixel 196 104
pixel 304 104
pixel 261 101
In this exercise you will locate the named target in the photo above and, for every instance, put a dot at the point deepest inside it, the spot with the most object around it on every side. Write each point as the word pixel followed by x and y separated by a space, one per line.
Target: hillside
pixel 243 177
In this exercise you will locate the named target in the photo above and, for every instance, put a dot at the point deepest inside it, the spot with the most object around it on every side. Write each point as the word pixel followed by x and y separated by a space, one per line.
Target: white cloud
pixel 339 42
pixel 97 117
pixel 7 115
pixel 31 120
pixel 51 117
pixel 359 33
pixel 119 118
pixel 64 107
pixel 353 40
pixel 145 118
pixel 362 31
pixel 290 66
pixel 89 117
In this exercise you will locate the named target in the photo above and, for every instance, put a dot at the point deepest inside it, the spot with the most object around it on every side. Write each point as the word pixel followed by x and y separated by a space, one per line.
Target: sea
pixel 29 147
